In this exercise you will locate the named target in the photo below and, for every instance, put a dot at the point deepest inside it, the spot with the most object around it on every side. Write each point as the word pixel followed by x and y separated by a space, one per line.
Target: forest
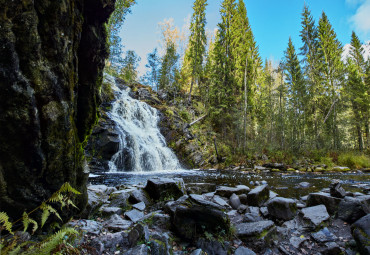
pixel 314 101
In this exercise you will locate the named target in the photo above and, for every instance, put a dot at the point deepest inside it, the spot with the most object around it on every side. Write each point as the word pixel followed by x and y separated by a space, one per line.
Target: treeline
pixel 313 99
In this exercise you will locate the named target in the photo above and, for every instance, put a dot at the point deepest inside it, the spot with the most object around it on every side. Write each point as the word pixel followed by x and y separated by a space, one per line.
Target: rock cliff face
pixel 51 60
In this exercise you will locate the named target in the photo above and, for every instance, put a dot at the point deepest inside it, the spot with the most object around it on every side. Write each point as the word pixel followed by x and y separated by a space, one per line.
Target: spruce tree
pixel 331 71
pixel 197 42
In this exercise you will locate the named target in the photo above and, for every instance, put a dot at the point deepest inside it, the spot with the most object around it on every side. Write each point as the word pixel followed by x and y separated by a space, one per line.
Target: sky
pixel 272 22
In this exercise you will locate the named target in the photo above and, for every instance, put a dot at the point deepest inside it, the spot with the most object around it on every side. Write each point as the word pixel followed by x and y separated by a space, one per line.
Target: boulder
pixel 315 215
pixel 165 188
pixel 224 191
pixel 320 198
pixel 336 190
pixel 87 226
pixel 213 247
pixel 139 206
pixel 324 236
pixel 110 243
pixel 137 234
pixel 258 196
pixel 116 223
pixel 109 211
pixel 200 188
pixel 361 233
pixel 134 215
pixel 234 201
pixel 195 216
pixel 138 250
pixel 351 209
pixel 120 198
pixel 137 196
pixel 260 234
pixel 220 201
pixel 282 208
pixel 279 166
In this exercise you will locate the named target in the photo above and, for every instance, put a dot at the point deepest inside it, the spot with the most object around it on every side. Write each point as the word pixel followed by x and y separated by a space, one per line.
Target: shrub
pixel 353 160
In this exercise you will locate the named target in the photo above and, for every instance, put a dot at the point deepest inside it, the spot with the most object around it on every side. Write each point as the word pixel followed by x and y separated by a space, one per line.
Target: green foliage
pixel 9 244
pixel 128 71
pixel 354 160
pixel 185 115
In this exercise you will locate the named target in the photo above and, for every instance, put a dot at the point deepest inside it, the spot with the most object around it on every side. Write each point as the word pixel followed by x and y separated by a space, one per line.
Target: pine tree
pixel 130 63
pixel 331 70
pixel 169 70
pixel 197 42
pixel 152 76
pixel 297 94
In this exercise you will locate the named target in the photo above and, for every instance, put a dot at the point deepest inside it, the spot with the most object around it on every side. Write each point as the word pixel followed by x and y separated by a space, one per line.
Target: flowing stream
pixel 142 147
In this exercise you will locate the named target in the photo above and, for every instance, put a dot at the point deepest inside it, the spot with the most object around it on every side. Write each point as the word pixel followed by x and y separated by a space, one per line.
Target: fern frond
pixel 26 222
pixel 70 202
pixel 66 187
pixel 45 215
pixel 4 221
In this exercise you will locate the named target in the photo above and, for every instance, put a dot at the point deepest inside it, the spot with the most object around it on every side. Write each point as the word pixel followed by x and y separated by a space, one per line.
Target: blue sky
pixel 272 22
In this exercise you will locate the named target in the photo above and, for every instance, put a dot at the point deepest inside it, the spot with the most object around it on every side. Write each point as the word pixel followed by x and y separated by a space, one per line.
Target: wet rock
pixel 258 195
pixel 87 226
pixel 116 223
pixel 279 166
pixel 361 233
pixel 351 209
pixel 304 185
pixel 213 247
pixel 324 236
pixel 139 206
pixel 260 234
pixel 336 190
pixel 282 208
pixel 138 250
pixel 165 188
pixel 198 252
pixel 134 215
pixel 234 201
pixel 316 215
pixel 137 234
pixel 244 251
pixel 170 207
pixel 296 241
pixel 196 215
pixel 224 191
pixel 330 202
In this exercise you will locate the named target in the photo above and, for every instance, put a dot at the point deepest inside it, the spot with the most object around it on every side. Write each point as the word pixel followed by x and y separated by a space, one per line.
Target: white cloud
pixel 354 3
pixel 361 19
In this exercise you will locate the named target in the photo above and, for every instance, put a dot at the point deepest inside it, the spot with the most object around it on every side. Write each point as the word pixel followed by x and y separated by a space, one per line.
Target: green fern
pixel 27 220
pixel 4 223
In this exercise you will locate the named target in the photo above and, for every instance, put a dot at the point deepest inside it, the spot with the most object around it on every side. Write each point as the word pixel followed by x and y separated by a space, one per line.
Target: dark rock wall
pixel 51 60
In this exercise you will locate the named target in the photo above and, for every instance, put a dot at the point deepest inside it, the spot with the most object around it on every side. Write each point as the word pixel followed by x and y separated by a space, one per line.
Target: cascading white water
pixel 142 146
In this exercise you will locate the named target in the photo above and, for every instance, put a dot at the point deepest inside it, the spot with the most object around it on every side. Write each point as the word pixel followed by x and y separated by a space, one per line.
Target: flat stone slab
pixel 258 195
pixel 87 226
pixel 139 206
pixel 116 223
pixel 218 200
pixel 244 251
pixel 253 229
pixel 224 191
pixel 315 214
pixel 134 215
pixel 324 236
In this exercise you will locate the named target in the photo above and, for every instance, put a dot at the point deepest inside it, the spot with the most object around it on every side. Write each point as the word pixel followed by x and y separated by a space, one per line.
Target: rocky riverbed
pixel 167 216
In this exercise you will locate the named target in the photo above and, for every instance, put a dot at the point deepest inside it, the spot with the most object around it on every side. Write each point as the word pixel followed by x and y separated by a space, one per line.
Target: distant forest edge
pixel 314 103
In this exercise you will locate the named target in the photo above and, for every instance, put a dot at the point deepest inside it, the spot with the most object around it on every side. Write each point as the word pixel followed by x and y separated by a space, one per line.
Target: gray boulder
pixel 258 196
pixel 320 198
pixel 134 215
pixel 315 215
pixel 244 251
pixel 282 208
pixel 351 209
pixel 234 201
pixel 324 236
pixel 110 242
pixel 361 233
pixel 336 190
pixel 120 198
pixel 224 191
pixel 165 188
pixel 87 226
pixel 116 223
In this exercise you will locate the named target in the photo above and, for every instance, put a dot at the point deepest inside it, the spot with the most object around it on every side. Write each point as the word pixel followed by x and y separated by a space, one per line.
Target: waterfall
pixel 142 147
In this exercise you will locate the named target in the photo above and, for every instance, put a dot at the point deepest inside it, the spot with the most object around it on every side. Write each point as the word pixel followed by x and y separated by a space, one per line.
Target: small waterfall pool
pixel 142 147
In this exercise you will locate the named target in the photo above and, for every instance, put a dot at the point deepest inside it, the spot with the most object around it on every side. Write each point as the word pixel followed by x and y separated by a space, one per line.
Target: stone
pixel 138 233
pixel 296 241
pixel 319 198
pixel 336 190
pixel 304 184
pixel 252 229
pixel 134 215
pixel 220 201
pixel 139 206
pixel 242 209
pixel 198 252
pixel 264 211
pixel 361 233
pixel 351 209
pixel 332 248
pixel 138 196
pixel 200 188
pixel 170 207
pixel 110 242
pixel 87 226
pixel 324 236
pixel 252 217
pixel 120 198
pixel 165 188
pixel 109 211
pixel 282 208
pixel 224 191
pixel 243 199
pixel 244 251
pixel 116 223
pixel 234 201
pixel 316 215
pixel 138 250
pixel 234 216
pixel 279 166
pixel 161 221
pixel 212 247
pixel 258 196
pixel 194 216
